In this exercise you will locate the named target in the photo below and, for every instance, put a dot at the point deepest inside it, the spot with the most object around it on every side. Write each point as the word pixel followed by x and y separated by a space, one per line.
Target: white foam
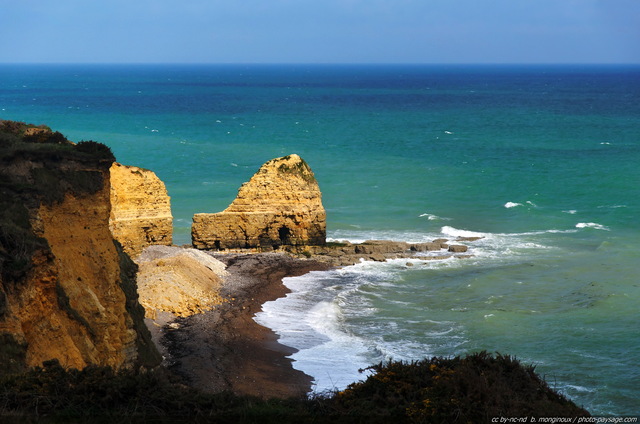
pixel 323 315
pixel 612 206
pixel 311 319
pixel 571 211
pixel 580 388
pixel 591 225
pixel 454 232
pixel 510 205
pixel 357 235
pixel 432 217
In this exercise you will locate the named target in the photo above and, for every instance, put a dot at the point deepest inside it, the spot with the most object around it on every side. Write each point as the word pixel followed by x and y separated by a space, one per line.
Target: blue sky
pixel 320 31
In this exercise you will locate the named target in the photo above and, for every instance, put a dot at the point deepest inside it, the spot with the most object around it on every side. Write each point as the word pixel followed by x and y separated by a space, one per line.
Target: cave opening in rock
pixel 284 233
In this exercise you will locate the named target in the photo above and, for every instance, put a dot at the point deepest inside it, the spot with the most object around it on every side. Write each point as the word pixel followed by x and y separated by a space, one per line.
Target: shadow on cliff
pixel 67 290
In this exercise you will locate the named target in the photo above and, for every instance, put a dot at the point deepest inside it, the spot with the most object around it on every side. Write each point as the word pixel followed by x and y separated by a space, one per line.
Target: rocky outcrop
pixel 67 290
pixel 180 281
pixel 140 209
pixel 280 205
pixel 345 253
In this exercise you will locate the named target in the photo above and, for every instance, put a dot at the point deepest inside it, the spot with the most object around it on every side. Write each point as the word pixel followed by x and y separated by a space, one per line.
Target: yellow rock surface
pixel 180 281
pixel 66 291
pixel 280 205
pixel 72 307
pixel 140 209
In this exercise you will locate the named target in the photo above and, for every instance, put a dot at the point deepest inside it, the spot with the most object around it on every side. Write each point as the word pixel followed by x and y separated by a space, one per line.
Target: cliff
pixel 140 209
pixel 67 290
pixel 280 205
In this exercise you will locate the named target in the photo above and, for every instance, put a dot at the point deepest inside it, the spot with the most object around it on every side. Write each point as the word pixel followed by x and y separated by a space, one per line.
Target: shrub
pixel 100 150
pixel 437 390
pixel 449 390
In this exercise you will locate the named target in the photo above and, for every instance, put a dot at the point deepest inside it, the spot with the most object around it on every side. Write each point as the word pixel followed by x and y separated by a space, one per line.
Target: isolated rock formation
pixel 140 209
pixel 280 205
pixel 67 290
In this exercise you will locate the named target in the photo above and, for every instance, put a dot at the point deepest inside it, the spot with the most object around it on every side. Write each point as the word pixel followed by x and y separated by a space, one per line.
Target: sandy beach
pixel 225 349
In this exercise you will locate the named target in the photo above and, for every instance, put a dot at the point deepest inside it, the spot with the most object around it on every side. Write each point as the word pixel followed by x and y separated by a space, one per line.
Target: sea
pixel 541 161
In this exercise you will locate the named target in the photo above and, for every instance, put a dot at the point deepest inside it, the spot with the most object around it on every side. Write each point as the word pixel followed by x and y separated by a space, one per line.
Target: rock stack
pixel 140 209
pixel 280 205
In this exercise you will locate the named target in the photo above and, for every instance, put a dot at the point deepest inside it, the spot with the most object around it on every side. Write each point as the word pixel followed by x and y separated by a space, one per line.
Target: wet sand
pixel 225 349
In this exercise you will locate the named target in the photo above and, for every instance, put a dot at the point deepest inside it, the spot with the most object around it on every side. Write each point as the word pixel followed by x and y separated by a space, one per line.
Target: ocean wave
pixel 454 232
pixel 612 206
pixel 510 205
pixel 332 317
pixel 592 225
pixel 311 319
pixel 580 388
pixel 358 235
pixel 498 246
pixel 432 217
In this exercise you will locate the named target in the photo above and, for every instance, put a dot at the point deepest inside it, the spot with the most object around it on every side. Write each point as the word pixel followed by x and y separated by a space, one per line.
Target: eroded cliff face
pixel 280 205
pixel 67 291
pixel 140 209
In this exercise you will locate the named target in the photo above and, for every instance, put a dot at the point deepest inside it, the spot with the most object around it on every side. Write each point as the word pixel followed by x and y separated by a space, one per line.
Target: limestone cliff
pixel 67 290
pixel 140 209
pixel 280 205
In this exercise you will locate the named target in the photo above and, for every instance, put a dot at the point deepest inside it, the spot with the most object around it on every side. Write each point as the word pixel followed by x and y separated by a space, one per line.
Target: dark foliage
pixel 473 389
pixel 17 242
pixel 51 167
pixel 449 390
pixel 46 137
pixel 96 149
pixel 12 353
pixel 51 391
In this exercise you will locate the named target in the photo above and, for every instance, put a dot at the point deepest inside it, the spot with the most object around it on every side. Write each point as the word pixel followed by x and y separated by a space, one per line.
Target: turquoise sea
pixel 542 161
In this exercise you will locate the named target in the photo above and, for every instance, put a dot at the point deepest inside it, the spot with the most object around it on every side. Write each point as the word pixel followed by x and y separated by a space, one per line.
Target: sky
pixel 320 31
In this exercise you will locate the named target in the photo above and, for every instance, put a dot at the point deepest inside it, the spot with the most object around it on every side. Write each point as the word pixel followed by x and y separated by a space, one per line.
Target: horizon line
pixel 332 63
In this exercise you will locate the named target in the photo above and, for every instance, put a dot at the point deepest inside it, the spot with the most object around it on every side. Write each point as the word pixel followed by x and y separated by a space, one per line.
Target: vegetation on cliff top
pixel 31 173
pixel 40 167
pixel 472 389
pixel 299 168
pixel 19 140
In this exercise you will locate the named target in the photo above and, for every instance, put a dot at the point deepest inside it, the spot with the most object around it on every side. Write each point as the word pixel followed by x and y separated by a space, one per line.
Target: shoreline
pixel 225 349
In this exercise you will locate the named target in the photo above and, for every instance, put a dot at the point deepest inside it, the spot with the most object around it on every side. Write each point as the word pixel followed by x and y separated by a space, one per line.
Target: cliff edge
pixel 280 205
pixel 67 290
